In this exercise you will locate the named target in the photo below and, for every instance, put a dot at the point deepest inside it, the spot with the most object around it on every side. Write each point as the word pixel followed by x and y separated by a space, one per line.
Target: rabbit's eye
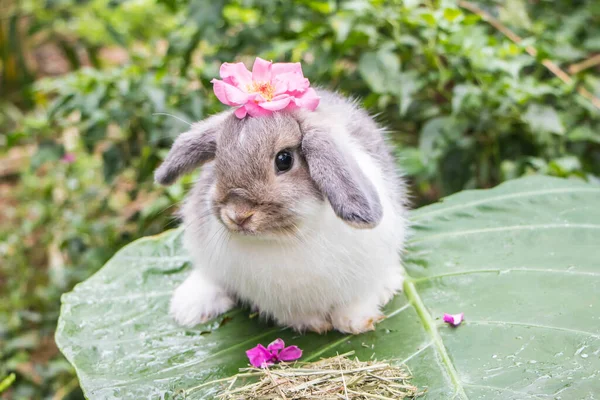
pixel 284 161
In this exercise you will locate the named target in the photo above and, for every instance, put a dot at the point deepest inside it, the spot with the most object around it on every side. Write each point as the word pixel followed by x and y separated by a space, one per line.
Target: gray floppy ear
pixel 191 149
pixel 339 177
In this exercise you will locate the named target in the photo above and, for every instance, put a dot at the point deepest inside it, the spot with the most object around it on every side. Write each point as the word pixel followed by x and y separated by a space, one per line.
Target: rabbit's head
pixel 272 172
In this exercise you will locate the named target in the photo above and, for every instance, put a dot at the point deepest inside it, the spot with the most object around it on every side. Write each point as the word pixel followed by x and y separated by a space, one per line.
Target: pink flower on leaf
pixel 454 319
pixel 269 87
pixel 261 356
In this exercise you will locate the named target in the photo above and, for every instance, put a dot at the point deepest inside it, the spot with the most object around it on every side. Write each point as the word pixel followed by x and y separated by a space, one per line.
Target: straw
pixel 339 377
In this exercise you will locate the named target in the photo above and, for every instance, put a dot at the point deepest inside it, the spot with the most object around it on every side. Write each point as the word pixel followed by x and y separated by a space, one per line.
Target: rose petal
pixel 298 84
pixel 277 344
pixel 290 82
pixel 290 353
pixel 281 86
pixel 236 74
pixel 454 319
pixel 241 112
pixel 283 68
pixel 275 105
pixel 259 356
pixel 228 94
pixel 255 111
pixel 255 98
pixel 309 100
pixel 261 71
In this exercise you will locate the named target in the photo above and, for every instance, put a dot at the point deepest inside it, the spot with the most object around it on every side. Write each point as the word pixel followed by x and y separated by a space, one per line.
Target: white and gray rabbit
pixel 301 214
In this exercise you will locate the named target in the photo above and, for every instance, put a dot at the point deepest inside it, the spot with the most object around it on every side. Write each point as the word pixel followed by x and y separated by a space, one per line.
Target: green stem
pixel 430 327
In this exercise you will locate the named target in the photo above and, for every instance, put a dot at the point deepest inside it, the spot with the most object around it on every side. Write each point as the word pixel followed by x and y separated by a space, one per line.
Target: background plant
pixel 86 86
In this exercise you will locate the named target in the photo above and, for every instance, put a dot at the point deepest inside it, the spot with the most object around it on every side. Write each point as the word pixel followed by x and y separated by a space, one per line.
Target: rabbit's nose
pixel 239 218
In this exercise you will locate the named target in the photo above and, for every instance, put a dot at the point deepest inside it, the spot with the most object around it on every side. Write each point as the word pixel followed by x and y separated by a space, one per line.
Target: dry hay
pixel 339 377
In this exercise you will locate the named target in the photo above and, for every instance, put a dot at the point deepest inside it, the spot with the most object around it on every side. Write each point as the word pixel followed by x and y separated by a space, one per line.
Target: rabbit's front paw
pixel 356 318
pixel 392 286
pixel 196 301
pixel 313 323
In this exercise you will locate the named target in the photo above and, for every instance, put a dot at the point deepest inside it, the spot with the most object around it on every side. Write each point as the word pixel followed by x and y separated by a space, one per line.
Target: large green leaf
pixel 522 261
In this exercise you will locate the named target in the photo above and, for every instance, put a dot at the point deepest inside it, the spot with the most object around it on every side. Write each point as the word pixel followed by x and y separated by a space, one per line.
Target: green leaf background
pixel 520 260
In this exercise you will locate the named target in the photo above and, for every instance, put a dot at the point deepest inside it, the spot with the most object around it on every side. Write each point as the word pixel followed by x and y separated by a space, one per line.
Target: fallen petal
pixel 290 353
pixel 259 356
pixel 454 319
pixel 277 344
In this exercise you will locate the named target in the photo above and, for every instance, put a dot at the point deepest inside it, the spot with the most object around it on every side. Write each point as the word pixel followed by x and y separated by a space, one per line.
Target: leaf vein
pixel 162 372
pixel 503 229
pixel 536 326
pixel 416 353
pixel 503 197
pixel 398 311
pixel 503 271
pixel 327 348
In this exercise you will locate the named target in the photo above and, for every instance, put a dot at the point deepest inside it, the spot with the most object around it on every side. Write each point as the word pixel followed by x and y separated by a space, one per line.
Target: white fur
pixel 335 274
pixel 197 300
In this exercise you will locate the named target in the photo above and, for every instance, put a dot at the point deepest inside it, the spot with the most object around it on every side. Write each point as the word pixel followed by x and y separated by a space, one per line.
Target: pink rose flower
pixel 269 87
pixel 260 356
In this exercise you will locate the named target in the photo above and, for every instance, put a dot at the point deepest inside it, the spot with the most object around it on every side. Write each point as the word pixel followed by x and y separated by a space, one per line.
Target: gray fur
pixel 368 133
pixel 241 165
pixel 352 196
pixel 191 149
pixel 371 136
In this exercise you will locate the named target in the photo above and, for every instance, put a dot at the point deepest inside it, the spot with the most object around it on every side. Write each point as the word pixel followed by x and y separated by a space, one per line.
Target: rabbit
pixel 301 214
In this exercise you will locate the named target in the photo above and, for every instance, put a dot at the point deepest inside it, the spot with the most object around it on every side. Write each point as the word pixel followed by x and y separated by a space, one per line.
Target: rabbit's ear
pixel 191 149
pixel 339 177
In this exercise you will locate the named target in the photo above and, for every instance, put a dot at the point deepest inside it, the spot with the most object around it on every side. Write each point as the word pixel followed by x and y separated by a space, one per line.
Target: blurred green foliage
pixel 465 106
